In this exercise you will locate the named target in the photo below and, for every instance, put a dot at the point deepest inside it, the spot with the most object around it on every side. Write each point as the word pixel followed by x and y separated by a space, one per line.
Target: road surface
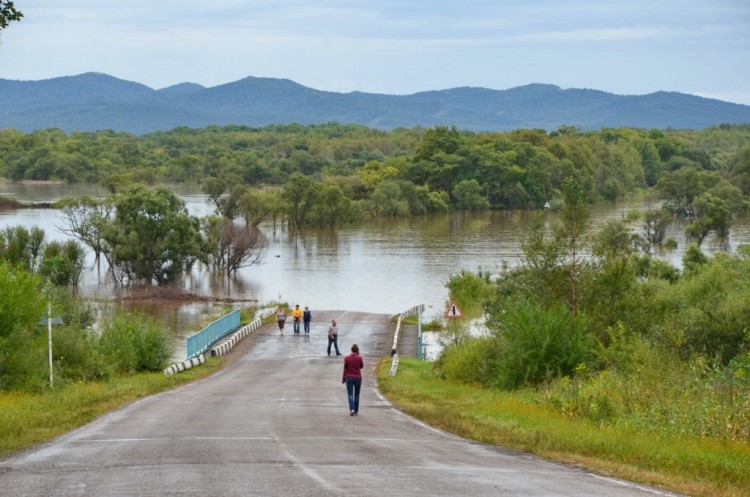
pixel 275 422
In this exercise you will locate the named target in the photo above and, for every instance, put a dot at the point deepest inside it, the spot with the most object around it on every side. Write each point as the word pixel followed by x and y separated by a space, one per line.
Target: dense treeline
pixel 404 171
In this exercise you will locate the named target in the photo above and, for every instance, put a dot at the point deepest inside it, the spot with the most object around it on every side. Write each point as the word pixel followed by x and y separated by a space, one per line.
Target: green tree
pixel 152 237
pixel 411 194
pixel 712 215
pixel 22 247
pixel 8 14
pixel 655 224
pixel 740 170
pixel 254 207
pixel 300 194
pixel 468 195
pixel 438 158
pixel 375 172
pixel 710 308
pixel 575 217
pixel 682 187
pixel 62 263
pixel 85 219
pixel 332 207
pixel 387 201
pixel 693 259
pixel 225 198
pixel 614 277
pixel 440 139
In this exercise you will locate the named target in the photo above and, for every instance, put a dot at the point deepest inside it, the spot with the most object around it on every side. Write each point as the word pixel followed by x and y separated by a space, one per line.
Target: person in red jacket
pixel 352 376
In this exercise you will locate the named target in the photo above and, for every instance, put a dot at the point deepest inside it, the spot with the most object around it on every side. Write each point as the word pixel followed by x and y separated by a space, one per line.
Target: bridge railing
pixel 201 341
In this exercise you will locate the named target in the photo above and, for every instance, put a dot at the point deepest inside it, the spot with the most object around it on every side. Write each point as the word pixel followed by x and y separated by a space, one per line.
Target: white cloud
pixel 602 34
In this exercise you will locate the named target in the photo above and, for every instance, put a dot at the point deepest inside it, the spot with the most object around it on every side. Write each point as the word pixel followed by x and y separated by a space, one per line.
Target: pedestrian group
pixel 353 363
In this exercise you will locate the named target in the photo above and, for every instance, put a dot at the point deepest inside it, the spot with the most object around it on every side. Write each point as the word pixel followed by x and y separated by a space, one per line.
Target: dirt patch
pixel 173 294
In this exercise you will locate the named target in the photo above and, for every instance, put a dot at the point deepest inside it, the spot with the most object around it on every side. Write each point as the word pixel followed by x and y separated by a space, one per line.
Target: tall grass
pixel 693 465
pixel 651 389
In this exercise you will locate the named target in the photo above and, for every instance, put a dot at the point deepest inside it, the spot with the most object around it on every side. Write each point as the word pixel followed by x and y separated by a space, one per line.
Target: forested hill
pixel 94 101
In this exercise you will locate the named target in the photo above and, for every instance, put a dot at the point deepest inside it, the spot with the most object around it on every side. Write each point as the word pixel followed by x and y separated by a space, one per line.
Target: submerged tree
pixel 301 194
pixel 85 219
pixel 712 214
pixel 655 224
pixel 231 246
pixel 152 238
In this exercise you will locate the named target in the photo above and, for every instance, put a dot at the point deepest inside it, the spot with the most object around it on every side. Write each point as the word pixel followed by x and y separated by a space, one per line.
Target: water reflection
pixel 384 266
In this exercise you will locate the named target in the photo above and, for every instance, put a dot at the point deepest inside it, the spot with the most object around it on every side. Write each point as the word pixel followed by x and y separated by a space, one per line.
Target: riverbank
pixel 691 466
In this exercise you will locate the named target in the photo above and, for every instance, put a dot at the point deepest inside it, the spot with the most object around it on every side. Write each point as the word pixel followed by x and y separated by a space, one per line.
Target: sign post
pixel 49 321
pixel 453 311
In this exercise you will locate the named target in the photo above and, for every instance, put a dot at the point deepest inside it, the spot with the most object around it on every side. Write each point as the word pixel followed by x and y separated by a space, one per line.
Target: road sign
pixel 453 311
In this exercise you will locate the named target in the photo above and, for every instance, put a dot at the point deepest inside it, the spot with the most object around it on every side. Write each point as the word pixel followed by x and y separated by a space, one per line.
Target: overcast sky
pixel 629 47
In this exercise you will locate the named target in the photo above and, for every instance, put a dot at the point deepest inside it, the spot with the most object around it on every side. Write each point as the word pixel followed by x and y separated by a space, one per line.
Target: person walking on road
pixel 296 318
pixel 333 337
pixel 352 376
pixel 281 319
pixel 306 318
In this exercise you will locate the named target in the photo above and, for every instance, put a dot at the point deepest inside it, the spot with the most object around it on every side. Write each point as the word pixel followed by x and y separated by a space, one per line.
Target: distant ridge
pixel 96 101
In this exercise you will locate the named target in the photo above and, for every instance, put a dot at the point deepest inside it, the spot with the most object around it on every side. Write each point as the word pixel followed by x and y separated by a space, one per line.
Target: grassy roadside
pixel 699 467
pixel 27 419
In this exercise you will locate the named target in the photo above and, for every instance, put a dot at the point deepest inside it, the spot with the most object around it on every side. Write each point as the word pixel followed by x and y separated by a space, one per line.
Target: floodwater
pixel 382 266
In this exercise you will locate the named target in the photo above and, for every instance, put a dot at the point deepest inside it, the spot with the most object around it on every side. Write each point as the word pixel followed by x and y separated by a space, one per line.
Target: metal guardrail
pixel 201 341
pixel 416 310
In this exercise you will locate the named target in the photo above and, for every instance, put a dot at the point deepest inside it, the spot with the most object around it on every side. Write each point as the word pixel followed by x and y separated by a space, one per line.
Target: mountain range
pixel 95 101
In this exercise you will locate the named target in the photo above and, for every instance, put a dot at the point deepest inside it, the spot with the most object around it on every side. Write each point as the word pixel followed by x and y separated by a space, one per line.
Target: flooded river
pixel 384 266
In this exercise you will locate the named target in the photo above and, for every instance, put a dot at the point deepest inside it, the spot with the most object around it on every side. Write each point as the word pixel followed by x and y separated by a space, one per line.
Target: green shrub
pixel 535 344
pixel 134 343
pixel 21 305
pixel 531 345
pixel 468 362
pixel 77 357
pixel 633 215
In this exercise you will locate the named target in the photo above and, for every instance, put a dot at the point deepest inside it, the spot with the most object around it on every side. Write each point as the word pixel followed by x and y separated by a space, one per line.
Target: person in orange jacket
pixel 296 318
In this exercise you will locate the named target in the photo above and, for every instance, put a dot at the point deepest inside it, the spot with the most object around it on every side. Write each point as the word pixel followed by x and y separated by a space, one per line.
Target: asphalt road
pixel 275 422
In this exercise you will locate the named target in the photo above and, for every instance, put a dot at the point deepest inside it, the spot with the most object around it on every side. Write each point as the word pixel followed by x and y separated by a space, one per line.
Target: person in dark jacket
pixel 306 318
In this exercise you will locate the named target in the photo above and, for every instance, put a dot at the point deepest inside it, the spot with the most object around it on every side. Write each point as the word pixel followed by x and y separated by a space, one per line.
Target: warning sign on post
pixel 453 311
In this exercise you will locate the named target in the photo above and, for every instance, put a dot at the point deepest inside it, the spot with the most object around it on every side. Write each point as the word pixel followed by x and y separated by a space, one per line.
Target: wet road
pixel 275 422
